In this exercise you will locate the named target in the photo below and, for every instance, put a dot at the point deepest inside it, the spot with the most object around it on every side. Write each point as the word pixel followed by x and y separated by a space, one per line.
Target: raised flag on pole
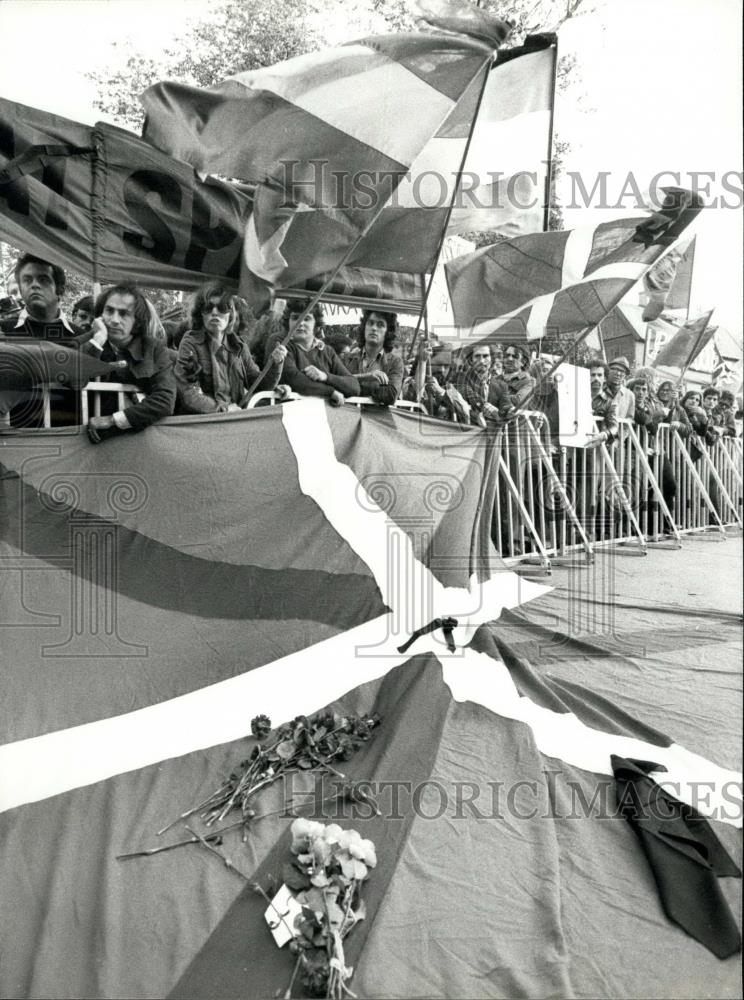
pixel 334 131
pixel 560 282
pixel 682 349
pixel 501 188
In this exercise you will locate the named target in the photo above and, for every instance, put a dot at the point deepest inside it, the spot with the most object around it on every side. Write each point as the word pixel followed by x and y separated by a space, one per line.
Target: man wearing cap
pixel 617 371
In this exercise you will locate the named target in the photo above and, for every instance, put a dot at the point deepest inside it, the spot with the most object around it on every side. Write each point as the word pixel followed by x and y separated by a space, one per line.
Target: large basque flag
pixel 560 282
pixel 161 590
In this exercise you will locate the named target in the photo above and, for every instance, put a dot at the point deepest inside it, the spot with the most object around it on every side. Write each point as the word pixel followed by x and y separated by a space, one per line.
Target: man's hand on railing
pixel 228 408
pixel 100 428
pixel 336 398
pixel 282 392
pixel 595 440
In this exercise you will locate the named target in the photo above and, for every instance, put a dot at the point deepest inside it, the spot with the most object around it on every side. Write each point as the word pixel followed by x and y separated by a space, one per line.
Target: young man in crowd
pixel 40 285
pixel 603 405
pixel 127 330
pixel 377 366
pixel 727 413
pixel 311 367
pixel 82 315
pixel 518 381
pixel 720 421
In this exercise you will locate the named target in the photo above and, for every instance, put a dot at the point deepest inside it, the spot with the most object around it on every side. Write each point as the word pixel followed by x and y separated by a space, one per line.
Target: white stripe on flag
pixel 335 86
pixel 576 255
pixel 625 271
pixel 298 684
pixel 537 321
pixel 478 678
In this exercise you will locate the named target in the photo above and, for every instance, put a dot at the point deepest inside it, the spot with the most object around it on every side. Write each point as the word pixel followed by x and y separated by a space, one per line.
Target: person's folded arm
pixel 191 396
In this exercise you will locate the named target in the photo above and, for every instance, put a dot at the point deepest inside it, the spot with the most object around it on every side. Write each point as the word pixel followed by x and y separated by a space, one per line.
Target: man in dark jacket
pixel 128 331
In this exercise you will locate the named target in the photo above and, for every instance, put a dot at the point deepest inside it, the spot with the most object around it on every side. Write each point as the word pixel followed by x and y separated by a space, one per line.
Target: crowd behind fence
pixel 551 501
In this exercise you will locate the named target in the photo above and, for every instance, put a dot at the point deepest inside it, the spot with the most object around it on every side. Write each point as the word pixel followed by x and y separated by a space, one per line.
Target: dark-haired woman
pixel 378 368
pixel 215 368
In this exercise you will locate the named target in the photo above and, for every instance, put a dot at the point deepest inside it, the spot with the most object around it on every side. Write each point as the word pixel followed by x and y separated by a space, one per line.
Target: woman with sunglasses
pixel 215 368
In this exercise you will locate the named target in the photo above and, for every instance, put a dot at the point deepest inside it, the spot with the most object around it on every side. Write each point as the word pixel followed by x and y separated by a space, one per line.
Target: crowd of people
pixel 220 355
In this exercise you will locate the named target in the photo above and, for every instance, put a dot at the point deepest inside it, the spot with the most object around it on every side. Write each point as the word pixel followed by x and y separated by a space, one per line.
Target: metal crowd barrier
pixel 637 489
pixel 551 500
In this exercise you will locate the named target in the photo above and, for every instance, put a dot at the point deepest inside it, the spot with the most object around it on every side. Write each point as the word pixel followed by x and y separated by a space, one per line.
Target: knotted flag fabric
pixel 163 592
pixel 560 282
pixel 689 340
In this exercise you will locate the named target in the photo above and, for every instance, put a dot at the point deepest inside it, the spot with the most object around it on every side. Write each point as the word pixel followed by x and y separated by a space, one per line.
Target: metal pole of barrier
pixel 653 482
pixel 730 462
pixel 710 465
pixel 559 488
pixel 695 476
pixel 517 499
pixel 619 491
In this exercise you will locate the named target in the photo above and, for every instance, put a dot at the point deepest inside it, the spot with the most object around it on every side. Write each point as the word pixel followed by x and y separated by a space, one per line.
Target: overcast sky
pixel 661 79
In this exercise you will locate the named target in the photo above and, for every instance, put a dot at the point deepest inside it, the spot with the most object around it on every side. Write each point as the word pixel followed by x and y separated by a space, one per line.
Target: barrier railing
pixel 552 500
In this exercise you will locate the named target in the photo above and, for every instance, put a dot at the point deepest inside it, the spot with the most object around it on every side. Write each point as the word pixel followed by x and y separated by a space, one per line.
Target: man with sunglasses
pixel 518 381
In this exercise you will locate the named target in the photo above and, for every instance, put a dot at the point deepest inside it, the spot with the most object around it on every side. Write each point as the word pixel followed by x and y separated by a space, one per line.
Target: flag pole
pixel 487 67
pixel 549 171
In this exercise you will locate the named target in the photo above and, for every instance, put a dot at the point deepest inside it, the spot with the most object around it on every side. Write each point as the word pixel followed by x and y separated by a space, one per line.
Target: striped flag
pixel 502 187
pixel 682 349
pixel 560 282
pixel 161 594
pixel 335 131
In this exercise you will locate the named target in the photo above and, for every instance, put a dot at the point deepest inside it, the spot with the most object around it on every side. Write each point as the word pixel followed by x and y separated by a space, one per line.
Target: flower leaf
pixel 293 878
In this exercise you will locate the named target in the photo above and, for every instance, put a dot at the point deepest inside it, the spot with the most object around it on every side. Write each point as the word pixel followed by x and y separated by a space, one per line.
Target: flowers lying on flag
pixel 327 872
pixel 301 745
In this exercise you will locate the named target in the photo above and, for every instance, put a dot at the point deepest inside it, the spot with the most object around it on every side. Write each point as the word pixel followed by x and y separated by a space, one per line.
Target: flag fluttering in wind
pixel 560 282
pixel 669 281
pixel 502 187
pixel 682 349
pixel 334 130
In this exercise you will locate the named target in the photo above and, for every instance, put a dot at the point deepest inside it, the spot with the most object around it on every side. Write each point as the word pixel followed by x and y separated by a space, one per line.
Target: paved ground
pixel 704 573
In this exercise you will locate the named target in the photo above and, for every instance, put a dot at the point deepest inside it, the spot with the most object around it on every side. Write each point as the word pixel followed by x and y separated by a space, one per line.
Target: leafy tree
pixel 236 35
